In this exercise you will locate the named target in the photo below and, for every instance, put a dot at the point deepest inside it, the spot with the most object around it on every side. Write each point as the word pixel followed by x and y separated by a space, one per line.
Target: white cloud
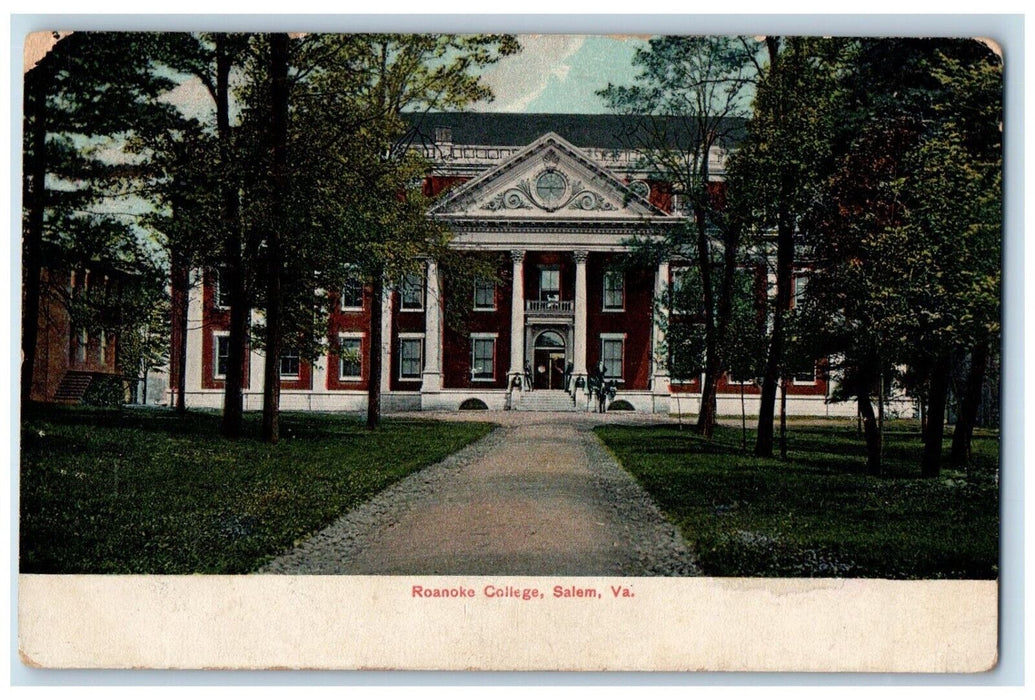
pixel 518 80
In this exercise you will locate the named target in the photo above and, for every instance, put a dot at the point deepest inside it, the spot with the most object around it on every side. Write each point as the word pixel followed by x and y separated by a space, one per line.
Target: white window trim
pixel 280 368
pixel 82 346
pixel 484 336
pixel 420 297
pixel 351 336
pixel 673 290
pixel 605 337
pixel 550 268
pixel 420 362
pixel 216 335
pixel 216 286
pixel 353 308
pixel 812 382
pixel 474 301
pixel 603 296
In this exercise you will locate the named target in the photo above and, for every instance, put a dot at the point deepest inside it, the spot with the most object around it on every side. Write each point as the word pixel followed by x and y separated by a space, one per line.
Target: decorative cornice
pixel 464 197
pixel 623 227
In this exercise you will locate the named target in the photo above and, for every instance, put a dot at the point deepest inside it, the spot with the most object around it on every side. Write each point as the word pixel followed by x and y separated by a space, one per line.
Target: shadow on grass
pixel 818 513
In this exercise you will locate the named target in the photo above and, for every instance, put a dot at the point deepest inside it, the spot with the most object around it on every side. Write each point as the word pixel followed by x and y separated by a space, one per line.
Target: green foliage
pixel 906 227
pixel 149 492
pixel 817 515
pixel 105 392
pixel 473 404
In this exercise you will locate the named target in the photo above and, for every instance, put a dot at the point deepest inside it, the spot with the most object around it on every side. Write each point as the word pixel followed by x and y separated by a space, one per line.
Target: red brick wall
pixel 635 321
pixel 437 184
pixel 349 321
pixel 404 322
pixel 215 320
pixel 534 260
pixel 456 338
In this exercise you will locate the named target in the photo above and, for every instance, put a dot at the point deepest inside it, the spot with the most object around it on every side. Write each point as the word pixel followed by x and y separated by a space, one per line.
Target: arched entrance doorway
pixel 548 368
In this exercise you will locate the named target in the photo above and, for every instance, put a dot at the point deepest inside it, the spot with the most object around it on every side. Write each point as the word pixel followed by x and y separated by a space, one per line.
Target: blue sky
pixel 561 73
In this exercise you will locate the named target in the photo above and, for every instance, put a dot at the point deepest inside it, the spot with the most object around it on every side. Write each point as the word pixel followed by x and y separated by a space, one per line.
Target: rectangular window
pixel 410 365
pixel 411 293
pixel 611 354
pixel 351 355
pixel 614 291
pixel 803 371
pixel 686 351
pixel 352 295
pixel 290 363
pixel 483 358
pixel 81 345
pixel 103 347
pixel 549 284
pixel 222 288
pixel 800 282
pixel 686 291
pixel 222 355
pixel 484 294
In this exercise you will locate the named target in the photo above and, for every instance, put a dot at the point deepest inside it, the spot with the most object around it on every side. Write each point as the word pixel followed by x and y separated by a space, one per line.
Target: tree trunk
pixel 180 304
pixel 374 388
pixel 240 308
pixel 783 419
pixel 971 400
pixel 871 430
pixel 279 178
pixel 932 455
pixel 34 196
pixel 743 422
pixel 774 361
pixel 712 363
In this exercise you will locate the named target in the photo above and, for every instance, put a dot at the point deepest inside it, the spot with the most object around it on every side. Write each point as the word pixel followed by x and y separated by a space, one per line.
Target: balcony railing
pixel 550 308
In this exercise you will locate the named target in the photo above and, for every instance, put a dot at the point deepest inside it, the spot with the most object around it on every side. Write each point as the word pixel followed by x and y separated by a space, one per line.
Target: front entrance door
pixel 548 368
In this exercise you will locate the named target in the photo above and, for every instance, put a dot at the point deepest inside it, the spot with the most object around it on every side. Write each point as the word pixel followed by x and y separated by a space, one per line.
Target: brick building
pixel 553 202
pixel 70 355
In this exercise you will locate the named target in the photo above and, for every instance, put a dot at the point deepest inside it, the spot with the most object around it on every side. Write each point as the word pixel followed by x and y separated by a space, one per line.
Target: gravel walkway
pixel 540 496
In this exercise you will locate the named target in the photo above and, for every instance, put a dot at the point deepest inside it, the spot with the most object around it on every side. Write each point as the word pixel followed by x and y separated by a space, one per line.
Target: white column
pixel 432 375
pixel 386 339
pixel 660 385
pixel 195 339
pixel 517 315
pixel 580 313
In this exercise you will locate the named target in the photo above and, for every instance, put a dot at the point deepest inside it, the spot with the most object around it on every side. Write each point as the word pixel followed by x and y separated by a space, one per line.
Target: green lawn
pixel 150 492
pixel 818 514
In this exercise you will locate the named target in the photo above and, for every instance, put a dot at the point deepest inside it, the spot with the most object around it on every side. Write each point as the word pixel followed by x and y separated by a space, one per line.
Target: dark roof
pixel 582 130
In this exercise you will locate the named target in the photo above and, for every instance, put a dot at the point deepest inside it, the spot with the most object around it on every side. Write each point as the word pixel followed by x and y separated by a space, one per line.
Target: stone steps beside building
pixel 73 387
pixel 542 400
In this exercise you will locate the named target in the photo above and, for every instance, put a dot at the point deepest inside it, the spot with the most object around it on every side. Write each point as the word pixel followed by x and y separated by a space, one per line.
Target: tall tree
pixel 777 166
pixel 689 99
pixel 357 88
pixel 906 226
pixel 89 87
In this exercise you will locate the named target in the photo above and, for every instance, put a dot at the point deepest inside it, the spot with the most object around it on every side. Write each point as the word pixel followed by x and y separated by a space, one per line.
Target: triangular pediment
pixel 548 179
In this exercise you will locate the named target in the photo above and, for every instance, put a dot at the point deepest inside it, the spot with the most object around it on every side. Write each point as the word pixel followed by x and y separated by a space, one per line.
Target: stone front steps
pixel 542 400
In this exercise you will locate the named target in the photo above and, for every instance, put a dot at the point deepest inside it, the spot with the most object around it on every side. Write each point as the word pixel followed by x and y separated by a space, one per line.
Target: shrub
pixel 620 405
pixel 105 391
pixel 473 404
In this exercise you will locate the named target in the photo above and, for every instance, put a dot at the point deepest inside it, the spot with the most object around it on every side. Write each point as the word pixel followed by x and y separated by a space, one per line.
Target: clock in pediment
pixel 551 186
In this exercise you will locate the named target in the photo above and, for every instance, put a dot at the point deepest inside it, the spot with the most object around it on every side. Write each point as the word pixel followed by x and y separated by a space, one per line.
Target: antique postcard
pixel 493 351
